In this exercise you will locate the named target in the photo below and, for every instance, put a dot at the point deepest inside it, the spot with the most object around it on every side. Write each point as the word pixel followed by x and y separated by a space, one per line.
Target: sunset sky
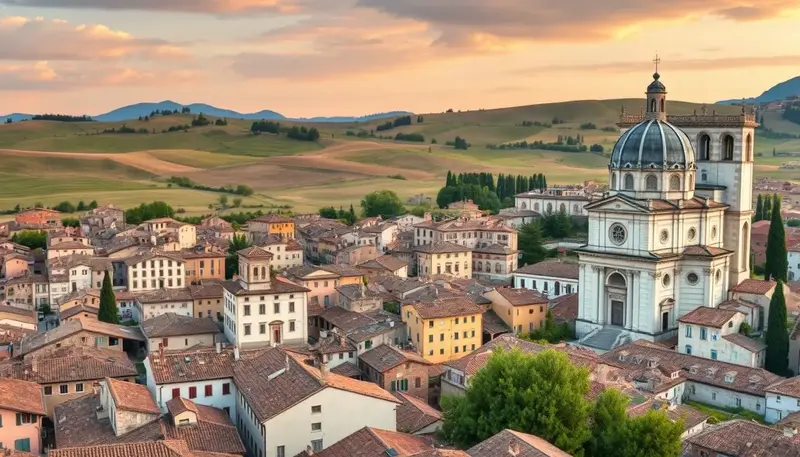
pixel 354 57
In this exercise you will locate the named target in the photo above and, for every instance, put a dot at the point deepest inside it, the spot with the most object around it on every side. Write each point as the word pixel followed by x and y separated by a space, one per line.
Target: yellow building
pixel 523 310
pixel 443 258
pixel 445 329
pixel 270 224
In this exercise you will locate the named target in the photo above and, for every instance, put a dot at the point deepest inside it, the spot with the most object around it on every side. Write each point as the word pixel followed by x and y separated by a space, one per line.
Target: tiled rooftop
pixel 754 286
pixel 524 444
pixel 708 317
pixel 385 357
pixel 446 307
pixel 371 442
pixel 415 414
pixel 129 396
pixel 743 438
pixel 522 297
pixel 39 340
pixel 171 324
pixel 72 363
pixel 551 268
pixel 21 396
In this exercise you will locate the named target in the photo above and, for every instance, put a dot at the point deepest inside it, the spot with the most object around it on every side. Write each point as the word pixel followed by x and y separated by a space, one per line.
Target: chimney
pixel 323 371
pixel 513 449
pixel 218 347
pixel 287 363
pixel 236 353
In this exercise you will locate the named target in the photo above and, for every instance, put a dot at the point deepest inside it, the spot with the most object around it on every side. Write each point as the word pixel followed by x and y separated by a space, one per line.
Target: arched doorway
pixel 617 288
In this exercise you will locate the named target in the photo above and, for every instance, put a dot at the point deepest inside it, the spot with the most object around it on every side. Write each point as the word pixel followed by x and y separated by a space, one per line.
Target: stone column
pixel 629 301
pixel 601 302
pixel 676 296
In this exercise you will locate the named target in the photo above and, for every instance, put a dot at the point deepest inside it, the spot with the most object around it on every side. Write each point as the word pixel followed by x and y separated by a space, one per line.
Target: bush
pixel 416 137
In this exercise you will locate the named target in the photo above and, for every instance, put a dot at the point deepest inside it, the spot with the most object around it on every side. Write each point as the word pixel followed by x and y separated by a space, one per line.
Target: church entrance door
pixel 664 321
pixel 617 313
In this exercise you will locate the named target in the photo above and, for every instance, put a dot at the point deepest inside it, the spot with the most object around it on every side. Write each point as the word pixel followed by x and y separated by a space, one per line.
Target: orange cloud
pixel 45 76
pixel 40 39
pixel 186 6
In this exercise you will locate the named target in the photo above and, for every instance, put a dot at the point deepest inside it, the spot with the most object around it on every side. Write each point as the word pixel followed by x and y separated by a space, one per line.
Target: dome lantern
pixel 656 96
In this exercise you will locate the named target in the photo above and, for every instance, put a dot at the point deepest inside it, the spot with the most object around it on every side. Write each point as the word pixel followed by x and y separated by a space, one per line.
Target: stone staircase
pixel 606 339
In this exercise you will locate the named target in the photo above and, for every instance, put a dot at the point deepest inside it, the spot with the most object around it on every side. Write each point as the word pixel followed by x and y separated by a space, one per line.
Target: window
pixel 281 451
pixel 246 329
pixel 430 338
pixel 629 182
pixel 316 427
pixel 417 382
pixel 176 392
pixel 246 310
pixel 738 402
pixel 713 354
pixel 689 349
pixel 48 390
pixel 291 326
pixel 316 409
pixel 209 391
pixel 277 307
pixel 226 389
pixel 674 182
pixel 23 444
pixel 617 234
pixel 79 387
pixel 291 306
pixel 651 183
pixel 262 309
pixel 63 389
pixel 692 278
pixel 262 328
pixel 24 418
pixel 316 445
pixel 713 395
pixel 703 333
pixel 688 331
pixel 192 392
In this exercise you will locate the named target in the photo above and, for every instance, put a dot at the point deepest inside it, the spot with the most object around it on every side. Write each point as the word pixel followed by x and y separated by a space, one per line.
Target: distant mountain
pixel 777 92
pixel 144 109
pixel 15 117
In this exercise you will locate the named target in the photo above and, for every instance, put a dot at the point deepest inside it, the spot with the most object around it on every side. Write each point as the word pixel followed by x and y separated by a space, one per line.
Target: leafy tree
pixel 70 222
pixel 238 242
pixel 551 331
pixel 384 203
pixel 540 394
pixel 34 239
pixel 609 419
pixel 651 435
pixel 328 212
pixel 237 202
pixel 81 206
pixel 147 211
pixel 777 337
pixel 65 207
pixel 460 143
pixel 777 265
pixel 108 303
pixel 530 243
pixel 223 200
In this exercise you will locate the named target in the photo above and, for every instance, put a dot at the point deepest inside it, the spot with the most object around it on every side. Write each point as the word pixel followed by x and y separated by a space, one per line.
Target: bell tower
pixel 656 97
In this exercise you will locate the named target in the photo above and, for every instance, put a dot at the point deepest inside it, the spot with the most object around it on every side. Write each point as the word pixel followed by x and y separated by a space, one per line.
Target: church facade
pixel 673 232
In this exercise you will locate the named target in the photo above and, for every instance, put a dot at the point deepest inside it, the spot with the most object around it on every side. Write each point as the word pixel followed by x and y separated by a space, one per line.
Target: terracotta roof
pixel 144 256
pixel 14 453
pixel 21 396
pixel 492 324
pixel 441 247
pixel 164 295
pixel 332 344
pixel 459 225
pixel 387 262
pixel 446 307
pixel 471 363
pixel 708 317
pixel 213 431
pixel 385 357
pixel 738 304
pixel 442 453
pixel 754 286
pixel 254 252
pixel 69 245
pixel 19 314
pixel 522 297
pixel 344 319
pixel 346 369
pixel 690 416
pixel 527 445
pixel 552 268
pixel 289 381
pixel 743 438
pixel 705 251
pixel 72 363
pixel 208 290
pixel 201 254
pixel 496 249
pixel 342 270
pixel 274 218
pixel 371 442
pixel 744 342
pixel 639 354
pixel 200 364
pixel 414 413
pixel 145 449
pixel 39 340
pixel 276 286
pixel 129 396
pixel 564 308
pixel 357 292
pixel 171 324
pixel 789 387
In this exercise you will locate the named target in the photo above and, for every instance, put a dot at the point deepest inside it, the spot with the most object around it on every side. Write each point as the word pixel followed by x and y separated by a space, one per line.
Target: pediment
pixel 617 203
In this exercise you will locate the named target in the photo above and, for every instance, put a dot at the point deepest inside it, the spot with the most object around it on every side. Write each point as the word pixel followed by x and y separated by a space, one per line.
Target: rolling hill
pixel 51 161
pixel 780 91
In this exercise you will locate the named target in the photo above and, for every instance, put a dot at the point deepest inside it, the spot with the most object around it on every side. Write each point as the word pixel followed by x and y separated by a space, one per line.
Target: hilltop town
pixel 371 331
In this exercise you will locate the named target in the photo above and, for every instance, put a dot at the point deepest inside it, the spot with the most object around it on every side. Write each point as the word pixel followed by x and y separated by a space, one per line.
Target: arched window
pixel 749 148
pixel 255 272
pixel 617 280
pixel 704 143
pixel 498 268
pixel 662 105
pixel 557 288
pixel 704 176
pixel 744 253
pixel 629 182
pixel 549 207
pixel 653 105
pixel 575 209
pixel 613 181
pixel 674 182
pixel 480 266
pixel 689 349
pixel 263 273
pixel 651 182
pixel 488 267
pixel 727 147
pixel 536 206
pixel 563 208
pixel 524 205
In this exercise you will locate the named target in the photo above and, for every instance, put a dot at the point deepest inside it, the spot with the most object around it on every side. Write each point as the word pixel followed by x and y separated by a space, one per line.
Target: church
pixel 673 231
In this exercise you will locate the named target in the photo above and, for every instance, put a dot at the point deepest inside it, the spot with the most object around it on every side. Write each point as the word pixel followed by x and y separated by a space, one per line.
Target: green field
pixel 77 162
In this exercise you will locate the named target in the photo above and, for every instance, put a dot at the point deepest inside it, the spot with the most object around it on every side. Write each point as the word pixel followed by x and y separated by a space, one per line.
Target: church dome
pixel 653 144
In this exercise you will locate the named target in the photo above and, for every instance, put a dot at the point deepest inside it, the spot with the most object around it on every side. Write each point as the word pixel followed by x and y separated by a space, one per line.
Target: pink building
pixel 21 412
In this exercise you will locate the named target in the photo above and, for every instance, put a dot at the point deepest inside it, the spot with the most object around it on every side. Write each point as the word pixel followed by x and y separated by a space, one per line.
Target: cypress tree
pixel 491 182
pixel 108 303
pixel 777 337
pixel 544 182
pixel 501 186
pixel 759 209
pixel 449 181
pixel 766 210
pixel 777 266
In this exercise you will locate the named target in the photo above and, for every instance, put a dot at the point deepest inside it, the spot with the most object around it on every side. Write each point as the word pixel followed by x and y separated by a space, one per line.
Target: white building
pixel 662 243
pixel 155 270
pixel 286 406
pixel 549 202
pixel 263 311
pixel 286 252
pixel 166 230
pixel 173 331
pixel 552 277
pixel 713 333
pixel 157 302
pixel 75 272
pixel 783 398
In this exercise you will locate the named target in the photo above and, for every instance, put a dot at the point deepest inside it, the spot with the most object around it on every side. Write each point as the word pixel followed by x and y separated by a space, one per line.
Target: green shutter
pixel 394 386
pixel 19 419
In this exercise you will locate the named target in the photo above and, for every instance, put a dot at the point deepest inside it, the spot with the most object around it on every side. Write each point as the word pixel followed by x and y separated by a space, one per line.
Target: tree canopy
pixel 384 203
pixel 108 302
pixel 238 242
pixel 530 243
pixel 34 239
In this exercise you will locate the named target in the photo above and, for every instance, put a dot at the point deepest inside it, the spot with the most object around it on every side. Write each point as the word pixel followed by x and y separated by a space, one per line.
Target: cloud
pixel 40 39
pixel 47 76
pixel 471 22
pixel 724 63
pixel 184 6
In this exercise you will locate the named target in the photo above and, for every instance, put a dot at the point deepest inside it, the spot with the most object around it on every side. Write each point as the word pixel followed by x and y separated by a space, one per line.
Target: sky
pixel 307 58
